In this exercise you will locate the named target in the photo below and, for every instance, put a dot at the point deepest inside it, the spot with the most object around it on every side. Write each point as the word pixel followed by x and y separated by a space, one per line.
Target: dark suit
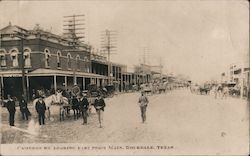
pixel 24 109
pixel 75 107
pixel 99 106
pixel 84 106
pixel 40 108
pixel 99 103
pixel 12 110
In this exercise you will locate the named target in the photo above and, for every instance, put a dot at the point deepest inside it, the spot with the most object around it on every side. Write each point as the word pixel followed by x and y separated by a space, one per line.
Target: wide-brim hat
pixel 84 94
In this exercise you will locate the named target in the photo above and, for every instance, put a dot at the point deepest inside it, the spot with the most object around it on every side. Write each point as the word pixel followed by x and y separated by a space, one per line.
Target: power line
pixel 74 28
pixel 108 45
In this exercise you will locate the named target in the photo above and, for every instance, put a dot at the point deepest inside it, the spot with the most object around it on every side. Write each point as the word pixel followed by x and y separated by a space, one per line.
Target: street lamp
pixel 21 36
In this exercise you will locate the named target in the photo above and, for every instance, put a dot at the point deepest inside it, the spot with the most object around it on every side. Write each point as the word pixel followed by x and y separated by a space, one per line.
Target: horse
pixel 56 99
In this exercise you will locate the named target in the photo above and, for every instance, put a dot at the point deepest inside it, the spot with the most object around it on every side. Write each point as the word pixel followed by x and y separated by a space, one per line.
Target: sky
pixel 199 39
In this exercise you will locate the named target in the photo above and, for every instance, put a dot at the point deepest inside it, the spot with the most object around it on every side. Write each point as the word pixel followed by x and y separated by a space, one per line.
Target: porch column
pixel 2 90
pixel 115 73
pixel 75 80
pixel 97 82
pixel 83 83
pixel 131 80
pixel 241 86
pixel 121 82
pixel 28 87
pixel 55 83
pixel 65 82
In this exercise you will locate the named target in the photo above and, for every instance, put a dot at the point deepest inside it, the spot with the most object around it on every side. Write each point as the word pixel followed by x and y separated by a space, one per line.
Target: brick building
pixel 50 61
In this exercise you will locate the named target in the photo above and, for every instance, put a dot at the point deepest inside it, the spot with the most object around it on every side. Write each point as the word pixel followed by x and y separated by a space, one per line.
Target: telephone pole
pixel 74 29
pixel 22 36
pixel 145 52
pixel 108 46
pixel 160 66
pixel 161 69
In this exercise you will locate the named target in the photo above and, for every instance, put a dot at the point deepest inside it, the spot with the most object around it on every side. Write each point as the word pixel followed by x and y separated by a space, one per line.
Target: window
pixel 26 55
pixel 78 62
pixel 47 57
pixel 69 60
pixel 87 69
pixel 59 54
pixel 2 58
pixel 14 57
pixel 86 59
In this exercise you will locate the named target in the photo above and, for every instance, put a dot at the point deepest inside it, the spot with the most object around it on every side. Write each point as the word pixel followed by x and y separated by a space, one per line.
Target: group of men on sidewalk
pixel 11 107
pixel 78 103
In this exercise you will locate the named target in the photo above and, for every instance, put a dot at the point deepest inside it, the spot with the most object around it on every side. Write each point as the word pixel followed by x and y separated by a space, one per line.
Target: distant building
pixel 238 74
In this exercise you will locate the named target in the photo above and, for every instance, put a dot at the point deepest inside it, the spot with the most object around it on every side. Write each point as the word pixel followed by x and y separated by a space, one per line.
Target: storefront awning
pixel 50 72
pixel 11 73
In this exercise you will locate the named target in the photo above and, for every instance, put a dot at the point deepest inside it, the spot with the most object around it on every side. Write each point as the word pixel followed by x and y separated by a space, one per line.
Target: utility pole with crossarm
pixel 22 36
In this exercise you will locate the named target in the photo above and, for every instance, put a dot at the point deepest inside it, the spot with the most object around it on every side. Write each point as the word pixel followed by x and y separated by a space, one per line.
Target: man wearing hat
pixel 99 106
pixel 40 108
pixel 143 103
pixel 75 107
pixel 84 106
pixel 24 108
pixel 11 109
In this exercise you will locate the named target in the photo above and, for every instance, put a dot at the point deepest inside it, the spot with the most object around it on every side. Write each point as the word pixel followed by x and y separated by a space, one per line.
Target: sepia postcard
pixel 123 77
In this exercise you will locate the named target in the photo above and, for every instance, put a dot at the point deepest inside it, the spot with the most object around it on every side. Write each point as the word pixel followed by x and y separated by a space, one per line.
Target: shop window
pixel 27 58
pixel 69 60
pixel 47 57
pixel 87 69
pixel 59 54
pixel 78 62
pixel 14 57
pixel 2 58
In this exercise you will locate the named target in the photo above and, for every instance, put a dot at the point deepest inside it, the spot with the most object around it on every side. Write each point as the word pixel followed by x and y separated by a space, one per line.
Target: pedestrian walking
pixel 24 108
pixel 41 108
pixel 75 107
pixel 84 106
pixel 219 90
pixel 225 92
pixel 215 90
pixel 99 105
pixel 143 103
pixel 11 106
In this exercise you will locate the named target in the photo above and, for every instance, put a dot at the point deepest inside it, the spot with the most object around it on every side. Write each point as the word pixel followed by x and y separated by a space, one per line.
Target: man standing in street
pixel 99 105
pixel 40 108
pixel 11 109
pixel 24 108
pixel 143 102
pixel 75 107
pixel 84 106
pixel 225 92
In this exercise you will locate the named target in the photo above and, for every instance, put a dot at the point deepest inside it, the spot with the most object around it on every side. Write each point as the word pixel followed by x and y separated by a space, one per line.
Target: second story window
pixel 14 57
pixel 78 62
pixel 2 58
pixel 69 60
pixel 59 54
pixel 47 57
pixel 27 59
pixel 87 69
pixel 86 59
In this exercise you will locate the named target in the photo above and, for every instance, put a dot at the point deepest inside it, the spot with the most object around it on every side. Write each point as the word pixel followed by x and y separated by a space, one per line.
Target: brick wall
pixel 38 46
